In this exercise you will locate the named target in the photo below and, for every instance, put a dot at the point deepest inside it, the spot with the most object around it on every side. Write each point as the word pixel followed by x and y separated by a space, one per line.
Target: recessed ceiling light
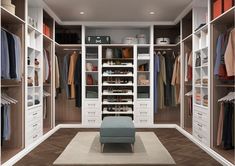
pixel 82 13
pixel 152 13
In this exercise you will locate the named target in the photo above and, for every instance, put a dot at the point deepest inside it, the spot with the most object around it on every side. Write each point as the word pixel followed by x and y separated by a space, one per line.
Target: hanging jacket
pixel 72 65
pixel 229 56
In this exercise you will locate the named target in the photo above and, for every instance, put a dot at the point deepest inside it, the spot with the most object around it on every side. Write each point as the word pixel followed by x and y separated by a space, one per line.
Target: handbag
pixel 198 61
pixel 117 53
pixel 127 53
pixel 89 80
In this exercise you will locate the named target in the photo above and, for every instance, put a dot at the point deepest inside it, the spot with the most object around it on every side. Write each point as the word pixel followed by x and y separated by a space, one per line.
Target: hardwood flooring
pixel 184 152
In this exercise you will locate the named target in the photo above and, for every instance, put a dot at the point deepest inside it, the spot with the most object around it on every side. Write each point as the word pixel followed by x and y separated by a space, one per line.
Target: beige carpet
pixel 84 149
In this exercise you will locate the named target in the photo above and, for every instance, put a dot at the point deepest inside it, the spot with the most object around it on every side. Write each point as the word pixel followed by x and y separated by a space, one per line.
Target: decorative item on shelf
pixel 36 78
pixel 109 53
pixel 142 79
pixel 46 30
pixel 8 6
pixel 205 80
pixel 30 81
pixel 201 25
pixel 30 103
pixel 98 40
pixel 130 40
pixel 89 80
pixel 198 60
pixel 143 67
pixel 143 56
pixel 28 61
pixel 205 100
pixel 95 68
pixel 127 53
pixel 117 53
pixel 141 39
pixel 32 22
pixel 89 66
pixel 198 81
pixel 162 41
pixel 205 61
pixel 36 62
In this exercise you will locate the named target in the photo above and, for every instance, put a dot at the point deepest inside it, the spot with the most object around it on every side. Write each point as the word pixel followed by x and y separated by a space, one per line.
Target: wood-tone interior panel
pixel 172 32
pixel 19 8
pixel 187 25
pixel 65 108
pixel 220 87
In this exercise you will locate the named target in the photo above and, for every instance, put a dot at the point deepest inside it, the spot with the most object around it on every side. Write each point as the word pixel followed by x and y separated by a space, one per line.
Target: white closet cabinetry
pixel 143 90
pixel 34 82
pixel 91 68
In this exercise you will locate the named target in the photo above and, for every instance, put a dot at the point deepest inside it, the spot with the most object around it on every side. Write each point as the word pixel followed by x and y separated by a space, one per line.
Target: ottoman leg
pixel 132 148
pixel 102 148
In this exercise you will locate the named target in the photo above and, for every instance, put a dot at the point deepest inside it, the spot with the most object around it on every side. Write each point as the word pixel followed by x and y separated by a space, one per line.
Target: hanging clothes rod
pixel 7 30
pixel 163 49
pixel 72 49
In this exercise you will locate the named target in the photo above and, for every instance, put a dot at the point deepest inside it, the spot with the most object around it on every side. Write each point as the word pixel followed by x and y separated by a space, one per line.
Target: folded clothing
pixel 198 82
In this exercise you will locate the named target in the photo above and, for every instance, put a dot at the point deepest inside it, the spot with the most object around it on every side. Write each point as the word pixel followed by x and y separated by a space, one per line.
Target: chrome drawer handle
pixel 35 114
pixel 35 136
pixel 199 125
pixel 199 136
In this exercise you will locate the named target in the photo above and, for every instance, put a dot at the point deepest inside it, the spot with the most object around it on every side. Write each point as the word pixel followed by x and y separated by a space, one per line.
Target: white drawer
pixel 142 120
pixel 92 112
pixel 201 137
pixel 142 112
pixel 93 120
pixel 91 105
pixel 200 127
pixel 32 117
pixel 200 116
pixel 143 104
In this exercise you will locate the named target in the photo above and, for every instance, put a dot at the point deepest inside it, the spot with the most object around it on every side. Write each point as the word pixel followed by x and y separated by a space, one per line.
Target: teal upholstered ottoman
pixel 117 130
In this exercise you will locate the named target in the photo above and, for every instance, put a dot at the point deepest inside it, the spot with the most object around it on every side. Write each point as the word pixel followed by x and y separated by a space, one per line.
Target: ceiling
pixel 117 10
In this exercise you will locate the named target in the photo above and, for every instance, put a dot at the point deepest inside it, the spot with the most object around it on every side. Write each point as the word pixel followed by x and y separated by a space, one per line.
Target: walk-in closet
pixel 165 68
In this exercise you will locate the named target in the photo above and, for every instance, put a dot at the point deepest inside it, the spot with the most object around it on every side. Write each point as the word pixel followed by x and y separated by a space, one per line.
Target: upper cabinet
pixel 118 35
pixel 187 23
pixel 66 34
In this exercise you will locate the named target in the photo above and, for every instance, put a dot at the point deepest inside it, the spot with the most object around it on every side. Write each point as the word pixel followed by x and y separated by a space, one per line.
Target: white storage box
pixel 162 41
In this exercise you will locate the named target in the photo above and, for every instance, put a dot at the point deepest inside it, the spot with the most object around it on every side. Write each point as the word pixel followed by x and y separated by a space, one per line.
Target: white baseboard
pixel 28 149
pixel 208 150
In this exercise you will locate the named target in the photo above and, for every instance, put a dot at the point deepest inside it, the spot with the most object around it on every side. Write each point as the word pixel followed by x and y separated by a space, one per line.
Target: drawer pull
pixel 199 136
pixel 35 114
pixel 199 125
pixel 35 125
pixel 145 105
pixel 35 136
pixel 199 114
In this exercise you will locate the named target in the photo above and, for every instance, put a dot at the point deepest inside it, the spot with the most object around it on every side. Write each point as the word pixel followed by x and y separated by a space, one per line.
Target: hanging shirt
pixel 229 56
pixel 65 67
pixel 5 64
pixel 78 81
pixel 72 65
pixel 156 72
pixel 12 56
pixel 17 56
pixel 161 81
pixel 57 73
pixel 186 67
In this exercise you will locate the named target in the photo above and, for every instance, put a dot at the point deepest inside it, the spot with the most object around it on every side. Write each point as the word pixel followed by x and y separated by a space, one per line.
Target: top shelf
pixel 9 18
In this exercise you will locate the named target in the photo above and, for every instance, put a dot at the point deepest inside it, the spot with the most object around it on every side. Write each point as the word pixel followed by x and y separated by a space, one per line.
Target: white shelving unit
pixel 201 37
pixel 34 75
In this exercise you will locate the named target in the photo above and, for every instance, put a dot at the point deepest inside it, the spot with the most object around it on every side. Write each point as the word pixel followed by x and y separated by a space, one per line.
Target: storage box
pixel 46 30
pixel 98 40
pixel 228 4
pixel 217 8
